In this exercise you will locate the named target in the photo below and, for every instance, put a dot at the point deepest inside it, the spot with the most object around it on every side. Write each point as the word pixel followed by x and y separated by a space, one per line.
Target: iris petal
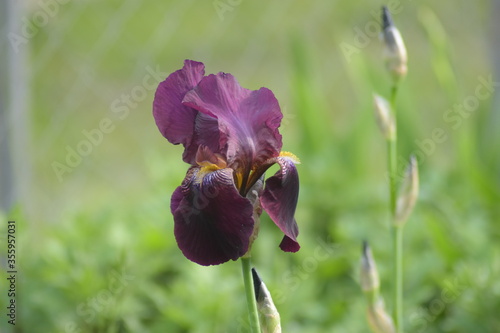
pixel 213 223
pixel 248 120
pixel 175 121
pixel 279 200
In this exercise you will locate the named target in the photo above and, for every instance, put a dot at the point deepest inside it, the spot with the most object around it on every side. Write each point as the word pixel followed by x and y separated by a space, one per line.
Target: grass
pixel 111 216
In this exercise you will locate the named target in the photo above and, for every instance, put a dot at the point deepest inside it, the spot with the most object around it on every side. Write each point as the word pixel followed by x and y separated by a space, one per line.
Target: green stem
pixel 392 152
pixel 397 238
pixel 397 231
pixel 250 293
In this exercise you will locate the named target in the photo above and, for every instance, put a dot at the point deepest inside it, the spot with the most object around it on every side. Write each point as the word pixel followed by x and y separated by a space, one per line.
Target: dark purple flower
pixel 230 137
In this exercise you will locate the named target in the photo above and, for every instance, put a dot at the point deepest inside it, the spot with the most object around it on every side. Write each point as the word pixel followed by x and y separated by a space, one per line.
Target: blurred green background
pixel 96 251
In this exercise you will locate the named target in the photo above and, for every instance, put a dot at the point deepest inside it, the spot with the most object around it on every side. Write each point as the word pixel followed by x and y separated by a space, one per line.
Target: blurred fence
pixel 15 170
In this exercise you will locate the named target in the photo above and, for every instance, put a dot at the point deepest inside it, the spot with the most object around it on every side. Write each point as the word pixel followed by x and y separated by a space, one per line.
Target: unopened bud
pixel 268 314
pixel 379 320
pixel 395 51
pixel 369 279
pixel 384 117
pixel 408 193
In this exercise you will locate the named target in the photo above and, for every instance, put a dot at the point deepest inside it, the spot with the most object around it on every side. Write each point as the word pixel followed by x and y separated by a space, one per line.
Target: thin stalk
pixel 392 163
pixel 397 231
pixel 392 155
pixel 250 294
pixel 397 238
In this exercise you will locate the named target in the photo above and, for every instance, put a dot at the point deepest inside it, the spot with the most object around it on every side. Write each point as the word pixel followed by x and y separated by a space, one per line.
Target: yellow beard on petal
pixel 206 168
pixel 291 156
pixel 208 162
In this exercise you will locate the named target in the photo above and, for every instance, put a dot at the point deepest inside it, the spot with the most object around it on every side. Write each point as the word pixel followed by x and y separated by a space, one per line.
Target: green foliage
pixel 110 216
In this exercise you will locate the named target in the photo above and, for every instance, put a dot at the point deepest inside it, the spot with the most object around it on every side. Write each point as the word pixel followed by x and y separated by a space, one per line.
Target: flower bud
pixel 384 117
pixel 408 193
pixel 395 51
pixel 379 320
pixel 369 279
pixel 268 314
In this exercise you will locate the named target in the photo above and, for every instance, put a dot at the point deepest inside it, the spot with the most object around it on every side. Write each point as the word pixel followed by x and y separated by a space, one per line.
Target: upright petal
pixel 175 121
pixel 279 200
pixel 213 223
pixel 248 120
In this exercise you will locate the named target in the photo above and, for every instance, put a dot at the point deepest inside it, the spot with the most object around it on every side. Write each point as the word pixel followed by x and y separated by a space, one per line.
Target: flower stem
pixel 250 294
pixel 392 156
pixel 397 238
pixel 397 231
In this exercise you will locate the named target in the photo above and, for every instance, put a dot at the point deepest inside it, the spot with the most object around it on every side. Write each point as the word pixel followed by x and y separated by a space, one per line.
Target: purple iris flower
pixel 230 137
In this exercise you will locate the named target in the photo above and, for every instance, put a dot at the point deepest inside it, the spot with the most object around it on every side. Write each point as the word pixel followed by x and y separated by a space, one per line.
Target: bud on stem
pixel 268 314
pixel 408 193
pixel 379 320
pixel 384 117
pixel 395 51
pixel 369 280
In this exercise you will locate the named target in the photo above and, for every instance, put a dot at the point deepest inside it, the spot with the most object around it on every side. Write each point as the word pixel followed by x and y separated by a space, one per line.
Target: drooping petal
pixel 248 120
pixel 213 223
pixel 279 200
pixel 176 121
pixel 289 245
